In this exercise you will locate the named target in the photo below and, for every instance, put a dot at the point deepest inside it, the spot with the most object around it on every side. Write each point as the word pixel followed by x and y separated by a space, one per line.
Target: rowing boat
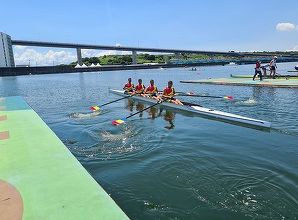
pixel 277 76
pixel 202 111
pixel 293 71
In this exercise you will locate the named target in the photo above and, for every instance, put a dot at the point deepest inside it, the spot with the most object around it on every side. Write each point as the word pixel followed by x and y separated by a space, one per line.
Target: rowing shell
pixel 277 76
pixel 199 110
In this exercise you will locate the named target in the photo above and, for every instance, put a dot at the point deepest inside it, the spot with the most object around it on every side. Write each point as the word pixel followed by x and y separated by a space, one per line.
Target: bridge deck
pixel 39 177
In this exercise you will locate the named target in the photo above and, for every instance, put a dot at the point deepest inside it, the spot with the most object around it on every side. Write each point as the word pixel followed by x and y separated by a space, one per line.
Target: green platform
pixel 281 83
pixel 42 179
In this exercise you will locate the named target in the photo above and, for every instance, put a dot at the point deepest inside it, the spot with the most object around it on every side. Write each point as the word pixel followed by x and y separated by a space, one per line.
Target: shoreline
pixel 17 71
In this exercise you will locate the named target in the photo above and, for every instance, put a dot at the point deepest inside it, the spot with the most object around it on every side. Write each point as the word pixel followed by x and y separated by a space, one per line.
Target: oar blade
pixel 118 122
pixel 228 97
pixel 190 93
pixel 94 108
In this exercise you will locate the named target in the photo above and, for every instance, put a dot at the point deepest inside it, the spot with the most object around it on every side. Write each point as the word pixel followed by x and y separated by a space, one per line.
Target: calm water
pixel 168 165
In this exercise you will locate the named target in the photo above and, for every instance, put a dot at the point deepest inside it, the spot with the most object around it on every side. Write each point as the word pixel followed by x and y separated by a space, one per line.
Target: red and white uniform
pixel 128 87
pixel 169 91
pixel 152 90
pixel 140 88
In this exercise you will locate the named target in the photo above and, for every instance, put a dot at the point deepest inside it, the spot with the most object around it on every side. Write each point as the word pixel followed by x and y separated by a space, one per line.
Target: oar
pixel 209 96
pixel 97 107
pixel 121 121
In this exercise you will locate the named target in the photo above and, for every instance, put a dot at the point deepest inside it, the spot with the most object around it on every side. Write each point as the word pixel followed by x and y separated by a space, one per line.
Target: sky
pixel 254 25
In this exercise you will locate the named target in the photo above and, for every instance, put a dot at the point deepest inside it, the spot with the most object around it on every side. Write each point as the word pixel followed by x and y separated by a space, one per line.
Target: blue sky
pixel 189 24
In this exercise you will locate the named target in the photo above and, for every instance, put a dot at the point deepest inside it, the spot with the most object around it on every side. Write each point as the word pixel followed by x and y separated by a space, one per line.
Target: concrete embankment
pixel 16 71
pixel 39 177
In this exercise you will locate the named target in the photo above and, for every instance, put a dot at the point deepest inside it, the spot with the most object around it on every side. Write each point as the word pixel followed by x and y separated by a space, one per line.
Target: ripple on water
pixel 248 102
pixel 120 142
pixel 82 115
pixel 254 193
pixel 257 193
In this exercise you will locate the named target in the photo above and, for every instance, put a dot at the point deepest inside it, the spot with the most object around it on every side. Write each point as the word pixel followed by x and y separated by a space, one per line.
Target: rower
pixel 140 88
pixel 169 93
pixel 152 92
pixel 128 87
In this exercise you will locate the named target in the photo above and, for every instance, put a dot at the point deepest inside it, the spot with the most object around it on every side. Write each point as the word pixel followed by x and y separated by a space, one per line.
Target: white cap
pixel 275 57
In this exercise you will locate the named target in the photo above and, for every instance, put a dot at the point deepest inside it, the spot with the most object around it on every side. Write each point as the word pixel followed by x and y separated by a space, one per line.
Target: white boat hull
pixel 228 117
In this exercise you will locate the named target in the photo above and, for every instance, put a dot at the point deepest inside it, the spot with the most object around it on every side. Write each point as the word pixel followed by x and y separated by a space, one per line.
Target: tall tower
pixel 6 52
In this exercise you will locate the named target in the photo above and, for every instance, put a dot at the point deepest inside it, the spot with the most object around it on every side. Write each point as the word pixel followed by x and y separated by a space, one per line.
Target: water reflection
pixel 169 117
pixel 140 107
pixel 257 92
pixel 82 85
pixel 10 86
pixel 154 112
pixel 129 105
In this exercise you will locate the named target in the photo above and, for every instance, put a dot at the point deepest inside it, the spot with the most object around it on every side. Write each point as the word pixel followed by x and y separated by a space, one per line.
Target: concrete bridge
pixel 7 51
pixel 134 50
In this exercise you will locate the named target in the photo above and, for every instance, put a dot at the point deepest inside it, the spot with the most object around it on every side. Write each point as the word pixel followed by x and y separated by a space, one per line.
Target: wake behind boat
pixel 202 111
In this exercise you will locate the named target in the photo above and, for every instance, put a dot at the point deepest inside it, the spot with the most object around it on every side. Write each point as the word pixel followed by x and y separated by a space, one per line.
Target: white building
pixel 6 52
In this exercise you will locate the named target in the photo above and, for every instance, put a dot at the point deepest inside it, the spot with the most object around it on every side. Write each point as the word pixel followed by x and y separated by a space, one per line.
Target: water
pixel 168 165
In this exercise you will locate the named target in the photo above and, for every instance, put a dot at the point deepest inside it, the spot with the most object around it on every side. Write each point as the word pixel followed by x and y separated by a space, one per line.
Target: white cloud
pixel 19 47
pixel 98 53
pixel 23 55
pixel 295 48
pixel 285 27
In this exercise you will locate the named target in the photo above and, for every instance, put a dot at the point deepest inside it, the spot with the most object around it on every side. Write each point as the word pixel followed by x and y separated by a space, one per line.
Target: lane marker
pixel 4 135
pixel 11 202
pixel 3 117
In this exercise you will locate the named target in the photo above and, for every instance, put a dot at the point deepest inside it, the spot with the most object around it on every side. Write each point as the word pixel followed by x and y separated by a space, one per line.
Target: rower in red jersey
pixel 152 92
pixel 140 88
pixel 128 87
pixel 169 93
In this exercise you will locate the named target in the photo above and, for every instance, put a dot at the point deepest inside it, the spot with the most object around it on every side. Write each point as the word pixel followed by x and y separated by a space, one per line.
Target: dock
pixel 278 82
pixel 39 177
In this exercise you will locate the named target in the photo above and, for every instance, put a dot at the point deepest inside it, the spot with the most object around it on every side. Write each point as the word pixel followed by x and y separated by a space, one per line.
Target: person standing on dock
pixel 273 67
pixel 128 87
pixel 258 71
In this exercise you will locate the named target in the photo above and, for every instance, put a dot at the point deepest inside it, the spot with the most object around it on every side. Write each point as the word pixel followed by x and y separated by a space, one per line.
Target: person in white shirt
pixel 273 67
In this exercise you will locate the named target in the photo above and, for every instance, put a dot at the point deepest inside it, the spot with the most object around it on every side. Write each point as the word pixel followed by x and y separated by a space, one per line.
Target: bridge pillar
pixel 134 57
pixel 79 56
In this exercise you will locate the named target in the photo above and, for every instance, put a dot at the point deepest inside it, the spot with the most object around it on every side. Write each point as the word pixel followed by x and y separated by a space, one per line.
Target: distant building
pixel 6 52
